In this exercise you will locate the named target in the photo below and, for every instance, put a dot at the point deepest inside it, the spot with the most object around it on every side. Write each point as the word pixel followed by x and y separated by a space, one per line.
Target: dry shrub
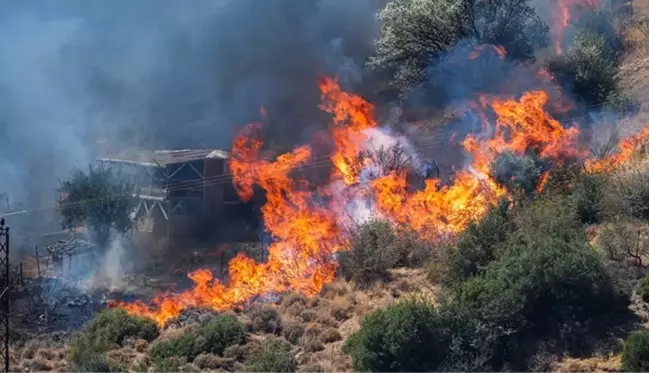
pixel 625 242
pixel 627 195
pixel 311 368
pixel 314 345
pixel 140 363
pixel 214 362
pixel 122 356
pixel 340 310
pixel 243 352
pixel 374 249
pixel 140 345
pixel 308 315
pixel 29 351
pixel 293 304
pixel 38 365
pixel 335 289
pixel 49 354
pixel 330 335
pixel 265 319
pixel 292 332
pixel 314 302
pixel 324 317
pixel 312 331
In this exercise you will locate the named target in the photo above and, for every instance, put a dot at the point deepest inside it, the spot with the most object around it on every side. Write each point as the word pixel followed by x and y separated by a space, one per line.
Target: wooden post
pixel 38 263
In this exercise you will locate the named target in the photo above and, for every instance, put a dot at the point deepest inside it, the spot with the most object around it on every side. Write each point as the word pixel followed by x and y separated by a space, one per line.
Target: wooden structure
pixel 181 193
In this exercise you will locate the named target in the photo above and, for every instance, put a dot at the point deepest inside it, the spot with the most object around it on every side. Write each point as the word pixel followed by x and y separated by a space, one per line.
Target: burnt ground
pixel 42 305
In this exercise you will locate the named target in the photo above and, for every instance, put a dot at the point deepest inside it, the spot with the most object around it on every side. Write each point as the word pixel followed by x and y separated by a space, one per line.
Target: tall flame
pixel 308 231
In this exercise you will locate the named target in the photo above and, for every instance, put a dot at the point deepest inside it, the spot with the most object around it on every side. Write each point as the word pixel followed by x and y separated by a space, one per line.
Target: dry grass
pixel 594 364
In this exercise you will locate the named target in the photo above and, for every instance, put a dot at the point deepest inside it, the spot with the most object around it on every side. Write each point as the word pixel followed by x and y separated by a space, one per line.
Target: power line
pixel 211 181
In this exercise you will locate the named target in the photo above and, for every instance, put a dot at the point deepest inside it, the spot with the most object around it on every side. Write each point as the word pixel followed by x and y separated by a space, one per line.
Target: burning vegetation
pixel 536 237
pixel 308 223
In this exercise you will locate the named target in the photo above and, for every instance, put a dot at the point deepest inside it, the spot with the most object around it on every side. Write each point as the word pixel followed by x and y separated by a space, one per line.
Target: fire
pixel 300 260
pixel 351 117
pixel 626 149
pixel 564 14
pixel 522 126
pixel 305 219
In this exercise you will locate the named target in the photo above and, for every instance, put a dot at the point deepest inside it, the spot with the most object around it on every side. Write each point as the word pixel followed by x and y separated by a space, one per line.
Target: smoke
pixel 80 76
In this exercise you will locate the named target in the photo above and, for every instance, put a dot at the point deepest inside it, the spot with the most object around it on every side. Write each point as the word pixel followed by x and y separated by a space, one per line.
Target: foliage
pixel 406 337
pixel 265 318
pixel 587 197
pixel 414 33
pixel 274 356
pixel 548 289
pixel 213 337
pixel 628 195
pixel 96 362
pixel 517 173
pixel 109 329
pixel 589 68
pixel 643 289
pixel 548 216
pixel 477 245
pixel 635 355
pixel 374 248
pixel 625 241
pixel 100 199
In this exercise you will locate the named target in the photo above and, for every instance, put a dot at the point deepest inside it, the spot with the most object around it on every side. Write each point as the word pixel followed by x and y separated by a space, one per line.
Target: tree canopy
pixel 98 198
pixel 414 33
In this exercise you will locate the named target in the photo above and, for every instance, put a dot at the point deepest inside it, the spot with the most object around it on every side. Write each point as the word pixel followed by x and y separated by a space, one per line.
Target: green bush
pixel 587 197
pixel 95 362
pixel 374 249
pixel 519 174
pixel 213 337
pixel 406 337
pixel 635 356
pixel 478 244
pixel 548 290
pixel 108 329
pixel 589 67
pixel 274 356
pixel 643 289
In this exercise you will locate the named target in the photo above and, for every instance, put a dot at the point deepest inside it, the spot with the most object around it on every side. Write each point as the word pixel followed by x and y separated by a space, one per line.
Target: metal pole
pixel 38 262
pixel 4 298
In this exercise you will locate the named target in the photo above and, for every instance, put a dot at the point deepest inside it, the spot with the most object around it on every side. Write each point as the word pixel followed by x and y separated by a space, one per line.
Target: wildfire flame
pixel 308 232
pixel 626 149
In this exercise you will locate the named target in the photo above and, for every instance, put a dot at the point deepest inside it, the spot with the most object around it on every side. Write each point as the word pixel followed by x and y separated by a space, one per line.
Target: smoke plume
pixel 79 76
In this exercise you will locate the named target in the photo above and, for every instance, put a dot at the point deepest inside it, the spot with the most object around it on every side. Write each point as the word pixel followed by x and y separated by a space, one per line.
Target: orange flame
pixel 351 115
pixel 626 149
pixel 301 259
pixel 307 233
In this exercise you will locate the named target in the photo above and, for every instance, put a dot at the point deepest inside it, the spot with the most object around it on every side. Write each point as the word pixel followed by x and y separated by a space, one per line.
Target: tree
pixel 415 33
pixel 99 199
pixel 589 68
pixel 635 356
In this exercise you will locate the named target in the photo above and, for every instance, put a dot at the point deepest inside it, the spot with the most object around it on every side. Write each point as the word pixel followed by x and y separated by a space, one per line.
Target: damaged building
pixel 182 195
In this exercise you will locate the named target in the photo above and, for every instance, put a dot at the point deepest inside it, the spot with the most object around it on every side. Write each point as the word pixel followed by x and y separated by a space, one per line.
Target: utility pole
pixel 4 295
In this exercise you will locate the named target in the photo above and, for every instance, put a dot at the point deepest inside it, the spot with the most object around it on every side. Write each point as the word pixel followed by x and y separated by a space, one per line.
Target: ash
pixel 46 304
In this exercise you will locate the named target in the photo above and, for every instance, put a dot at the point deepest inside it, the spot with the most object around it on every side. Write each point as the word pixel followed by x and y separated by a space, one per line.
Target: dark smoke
pixel 161 74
